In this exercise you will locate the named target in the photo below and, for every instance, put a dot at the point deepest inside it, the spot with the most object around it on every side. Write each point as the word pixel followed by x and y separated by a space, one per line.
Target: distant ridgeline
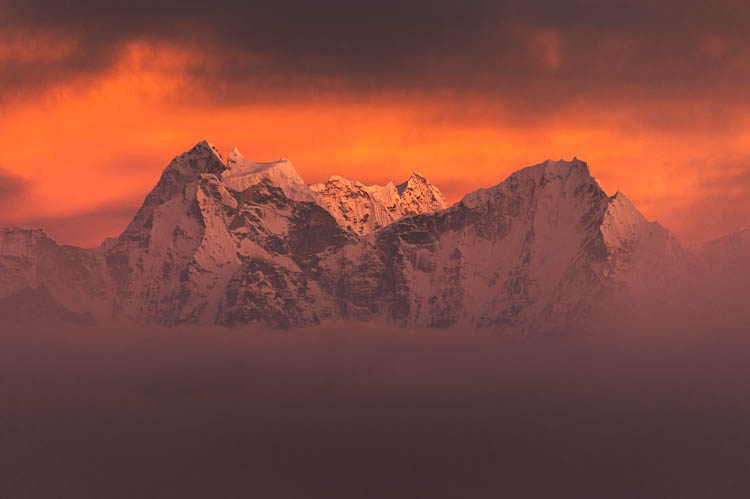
pixel 237 242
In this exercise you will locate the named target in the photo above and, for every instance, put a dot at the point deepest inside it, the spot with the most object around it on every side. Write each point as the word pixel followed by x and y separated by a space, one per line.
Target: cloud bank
pixel 540 55
pixel 371 412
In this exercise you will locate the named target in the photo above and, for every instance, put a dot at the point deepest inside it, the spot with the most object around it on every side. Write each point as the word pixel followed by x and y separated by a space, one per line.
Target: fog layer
pixel 630 410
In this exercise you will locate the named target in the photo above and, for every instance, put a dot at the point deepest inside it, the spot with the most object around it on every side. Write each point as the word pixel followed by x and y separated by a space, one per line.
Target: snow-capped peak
pixel 337 179
pixel 365 208
pixel 622 221
pixel 204 144
pixel 209 245
pixel 239 164
pixel 413 178
pixel 202 158
pixel 568 176
pixel 241 174
pixel 419 196
pixel 574 169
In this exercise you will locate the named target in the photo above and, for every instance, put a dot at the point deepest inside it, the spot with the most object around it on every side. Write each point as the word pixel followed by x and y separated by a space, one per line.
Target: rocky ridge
pixel 237 242
pixel 367 208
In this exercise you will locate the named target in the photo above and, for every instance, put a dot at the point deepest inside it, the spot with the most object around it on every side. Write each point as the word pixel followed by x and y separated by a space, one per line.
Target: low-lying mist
pixel 637 408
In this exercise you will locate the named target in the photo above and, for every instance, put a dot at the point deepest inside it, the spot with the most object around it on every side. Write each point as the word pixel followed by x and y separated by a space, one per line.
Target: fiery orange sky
pixel 84 136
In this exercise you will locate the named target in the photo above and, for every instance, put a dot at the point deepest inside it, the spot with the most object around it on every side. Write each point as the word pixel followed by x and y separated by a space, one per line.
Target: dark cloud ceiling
pixel 538 54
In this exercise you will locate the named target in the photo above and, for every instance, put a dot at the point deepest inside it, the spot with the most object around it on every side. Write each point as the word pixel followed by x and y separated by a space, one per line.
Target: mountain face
pixel 534 252
pixel 237 242
pixel 74 278
pixel 366 208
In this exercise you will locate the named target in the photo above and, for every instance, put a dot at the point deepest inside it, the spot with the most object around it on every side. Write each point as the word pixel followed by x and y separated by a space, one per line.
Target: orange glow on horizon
pixel 91 144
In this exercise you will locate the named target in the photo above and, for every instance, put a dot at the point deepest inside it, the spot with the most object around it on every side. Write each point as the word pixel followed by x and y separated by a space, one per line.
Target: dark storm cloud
pixel 538 54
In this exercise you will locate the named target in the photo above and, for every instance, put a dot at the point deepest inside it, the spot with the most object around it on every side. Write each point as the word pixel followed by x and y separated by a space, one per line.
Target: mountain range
pixel 235 242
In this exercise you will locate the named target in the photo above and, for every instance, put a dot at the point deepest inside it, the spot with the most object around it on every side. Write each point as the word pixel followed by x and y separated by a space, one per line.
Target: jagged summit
pixel 203 148
pixel 357 184
pixel 176 186
pixel 241 173
pixel 366 208
pixel 419 196
pixel 566 175
pixel 201 158
pixel 414 177
pixel 557 183
pixel 239 164
pixel 559 168
pixel 575 170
